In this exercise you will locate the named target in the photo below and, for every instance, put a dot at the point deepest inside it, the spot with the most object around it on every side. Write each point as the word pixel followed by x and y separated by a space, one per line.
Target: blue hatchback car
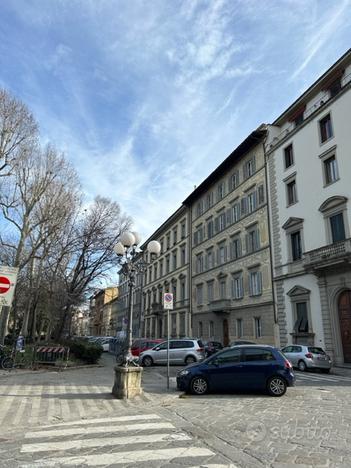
pixel 240 368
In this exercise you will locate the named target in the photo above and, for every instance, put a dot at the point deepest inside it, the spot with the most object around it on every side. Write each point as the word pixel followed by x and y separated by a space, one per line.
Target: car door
pixel 288 353
pixel 258 365
pixel 176 351
pixel 159 353
pixel 295 355
pixel 224 371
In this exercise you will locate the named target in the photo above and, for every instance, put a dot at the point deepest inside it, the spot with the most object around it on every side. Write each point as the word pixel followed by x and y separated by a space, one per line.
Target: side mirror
pixel 157 349
pixel 214 362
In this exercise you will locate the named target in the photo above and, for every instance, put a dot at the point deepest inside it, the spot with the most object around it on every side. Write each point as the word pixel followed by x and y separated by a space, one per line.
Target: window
pixel 155 271
pixel 182 255
pixel 199 263
pixel 252 201
pixel 161 268
pixel 298 119
pixel 233 180
pixel 288 156
pixel 222 254
pixel 221 222
pixel 228 357
pixel 249 168
pixel 175 260
pixel 200 329
pixel 211 329
pixel 301 324
pixel 260 194
pixel 182 290
pixel 325 128
pixel 161 243
pixel 291 192
pixel 252 241
pixel 174 291
pixel 223 288
pixel 337 227
pixel 331 173
pixel 198 234
pixel 335 87
pixel 296 249
pixel 235 212
pixel 237 287
pixel 210 292
pixel 199 208
pixel 210 229
pixel 175 236
pixel 167 264
pixel 168 240
pixel 239 328
pixel 258 329
pixel 220 191
pixel 209 259
pixel 255 354
pixel 183 230
pixel 209 200
pixel 235 248
pixel 255 283
pixel 199 294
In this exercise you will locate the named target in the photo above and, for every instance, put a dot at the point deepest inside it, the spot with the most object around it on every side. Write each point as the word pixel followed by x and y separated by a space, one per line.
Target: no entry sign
pixel 8 277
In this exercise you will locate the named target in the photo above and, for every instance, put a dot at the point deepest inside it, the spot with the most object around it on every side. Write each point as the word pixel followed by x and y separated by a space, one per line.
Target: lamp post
pixel 128 375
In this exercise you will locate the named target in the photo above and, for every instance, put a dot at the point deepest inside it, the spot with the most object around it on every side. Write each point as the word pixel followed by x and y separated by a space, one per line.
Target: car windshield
pixel 314 350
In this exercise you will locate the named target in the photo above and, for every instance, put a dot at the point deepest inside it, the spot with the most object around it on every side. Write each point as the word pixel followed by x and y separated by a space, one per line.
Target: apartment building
pixel 230 263
pixel 100 311
pixel 309 166
pixel 121 306
pixel 169 272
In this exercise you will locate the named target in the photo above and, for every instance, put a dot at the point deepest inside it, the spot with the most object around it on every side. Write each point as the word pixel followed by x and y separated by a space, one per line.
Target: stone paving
pixel 71 419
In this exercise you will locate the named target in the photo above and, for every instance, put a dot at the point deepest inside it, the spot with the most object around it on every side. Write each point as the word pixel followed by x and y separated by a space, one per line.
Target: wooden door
pixel 344 307
pixel 225 333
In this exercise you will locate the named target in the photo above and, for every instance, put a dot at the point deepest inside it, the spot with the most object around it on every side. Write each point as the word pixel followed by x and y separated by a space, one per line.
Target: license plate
pixel 322 358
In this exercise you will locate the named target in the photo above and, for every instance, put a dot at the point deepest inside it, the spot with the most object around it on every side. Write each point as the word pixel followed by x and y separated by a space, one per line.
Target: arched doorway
pixel 225 333
pixel 344 308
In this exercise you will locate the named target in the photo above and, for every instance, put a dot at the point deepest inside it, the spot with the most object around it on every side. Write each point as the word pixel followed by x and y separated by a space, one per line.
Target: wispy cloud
pixel 146 98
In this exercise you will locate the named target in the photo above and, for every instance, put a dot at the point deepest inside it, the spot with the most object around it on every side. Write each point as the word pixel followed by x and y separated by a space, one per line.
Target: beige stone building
pixel 101 318
pixel 169 272
pixel 231 259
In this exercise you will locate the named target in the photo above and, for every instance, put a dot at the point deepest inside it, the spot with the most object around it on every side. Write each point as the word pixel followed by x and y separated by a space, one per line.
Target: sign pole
pixel 168 305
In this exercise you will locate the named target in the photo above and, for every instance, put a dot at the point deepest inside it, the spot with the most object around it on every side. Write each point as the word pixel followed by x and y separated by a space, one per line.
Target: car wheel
pixel 190 360
pixel 147 361
pixel 276 386
pixel 199 386
pixel 325 371
pixel 7 363
pixel 301 366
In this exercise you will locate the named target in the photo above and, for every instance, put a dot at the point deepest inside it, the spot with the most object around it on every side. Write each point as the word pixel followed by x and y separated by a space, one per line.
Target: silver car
pixel 308 357
pixel 181 351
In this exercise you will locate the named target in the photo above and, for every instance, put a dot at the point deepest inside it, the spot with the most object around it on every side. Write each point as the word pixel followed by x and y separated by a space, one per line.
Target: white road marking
pixel 137 417
pixel 36 401
pixel 103 442
pixel 320 378
pixel 125 458
pixel 99 430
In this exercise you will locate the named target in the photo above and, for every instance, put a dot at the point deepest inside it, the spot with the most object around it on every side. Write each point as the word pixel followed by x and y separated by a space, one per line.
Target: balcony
pixel 328 256
pixel 219 305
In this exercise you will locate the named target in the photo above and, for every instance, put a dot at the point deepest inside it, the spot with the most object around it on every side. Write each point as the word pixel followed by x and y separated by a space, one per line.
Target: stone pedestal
pixel 127 382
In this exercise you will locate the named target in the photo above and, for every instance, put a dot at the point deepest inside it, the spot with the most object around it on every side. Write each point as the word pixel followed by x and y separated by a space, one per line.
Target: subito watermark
pixel 258 431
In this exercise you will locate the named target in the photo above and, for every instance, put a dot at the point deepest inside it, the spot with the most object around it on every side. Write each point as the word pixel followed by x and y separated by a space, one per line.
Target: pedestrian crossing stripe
pixel 328 378
pixel 52 449
pixel 123 458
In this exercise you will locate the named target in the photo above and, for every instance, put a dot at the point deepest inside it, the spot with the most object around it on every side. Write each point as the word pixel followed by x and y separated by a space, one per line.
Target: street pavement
pixel 70 418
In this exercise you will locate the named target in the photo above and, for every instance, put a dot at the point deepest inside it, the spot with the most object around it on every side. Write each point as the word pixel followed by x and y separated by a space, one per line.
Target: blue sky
pixel 147 97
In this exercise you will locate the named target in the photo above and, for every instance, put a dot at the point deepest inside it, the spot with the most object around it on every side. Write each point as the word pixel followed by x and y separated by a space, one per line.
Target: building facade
pixel 169 272
pixel 100 310
pixel 309 166
pixel 230 262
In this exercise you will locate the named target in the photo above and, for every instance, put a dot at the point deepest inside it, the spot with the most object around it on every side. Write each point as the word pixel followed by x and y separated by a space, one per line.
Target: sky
pixel 147 97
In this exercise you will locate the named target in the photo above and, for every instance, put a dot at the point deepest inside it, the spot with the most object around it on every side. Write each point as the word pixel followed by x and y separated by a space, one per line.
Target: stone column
pixel 127 382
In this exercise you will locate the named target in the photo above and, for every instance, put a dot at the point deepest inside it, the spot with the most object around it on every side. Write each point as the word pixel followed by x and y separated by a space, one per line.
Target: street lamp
pixel 128 381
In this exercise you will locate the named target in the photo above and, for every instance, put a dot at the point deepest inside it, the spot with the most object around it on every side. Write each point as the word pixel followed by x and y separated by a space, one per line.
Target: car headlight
pixel 183 372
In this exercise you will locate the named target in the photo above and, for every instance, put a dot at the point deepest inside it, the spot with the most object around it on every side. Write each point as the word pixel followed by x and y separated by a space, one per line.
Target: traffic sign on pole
pixel 168 305
pixel 168 301
pixel 8 277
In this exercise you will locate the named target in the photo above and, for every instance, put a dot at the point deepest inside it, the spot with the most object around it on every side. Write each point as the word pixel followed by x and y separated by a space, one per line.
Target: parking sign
pixel 168 301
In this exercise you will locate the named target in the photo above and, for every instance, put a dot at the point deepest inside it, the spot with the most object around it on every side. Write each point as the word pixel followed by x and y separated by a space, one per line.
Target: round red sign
pixel 4 284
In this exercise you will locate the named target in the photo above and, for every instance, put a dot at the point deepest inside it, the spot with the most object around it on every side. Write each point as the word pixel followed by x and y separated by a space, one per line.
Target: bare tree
pixel 18 130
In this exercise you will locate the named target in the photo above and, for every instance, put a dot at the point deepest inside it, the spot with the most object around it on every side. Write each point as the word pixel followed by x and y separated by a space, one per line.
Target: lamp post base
pixel 127 382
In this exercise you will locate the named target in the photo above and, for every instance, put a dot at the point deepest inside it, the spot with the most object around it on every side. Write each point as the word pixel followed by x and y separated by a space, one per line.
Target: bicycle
pixel 6 361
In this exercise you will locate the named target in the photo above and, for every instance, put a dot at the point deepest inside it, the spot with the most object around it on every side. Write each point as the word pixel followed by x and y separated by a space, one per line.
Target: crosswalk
pixel 309 378
pixel 141 440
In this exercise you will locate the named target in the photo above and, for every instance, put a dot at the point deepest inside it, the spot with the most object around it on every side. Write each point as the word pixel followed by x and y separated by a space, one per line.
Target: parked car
pixel 245 367
pixel 142 344
pixel 308 357
pixel 181 351
pixel 212 347
pixel 240 342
